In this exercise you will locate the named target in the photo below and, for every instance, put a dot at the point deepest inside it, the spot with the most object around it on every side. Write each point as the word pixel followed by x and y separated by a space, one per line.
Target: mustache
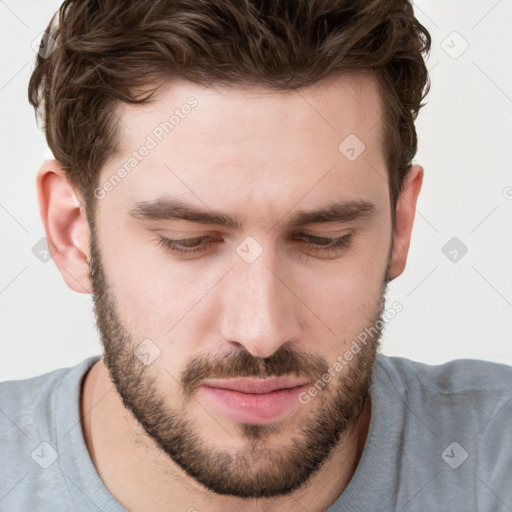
pixel 242 364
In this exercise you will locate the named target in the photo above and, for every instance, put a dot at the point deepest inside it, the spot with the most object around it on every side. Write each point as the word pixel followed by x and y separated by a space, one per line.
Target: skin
pixel 258 155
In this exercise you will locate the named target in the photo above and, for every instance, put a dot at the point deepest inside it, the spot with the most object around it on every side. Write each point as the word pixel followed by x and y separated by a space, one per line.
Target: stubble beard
pixel 254 470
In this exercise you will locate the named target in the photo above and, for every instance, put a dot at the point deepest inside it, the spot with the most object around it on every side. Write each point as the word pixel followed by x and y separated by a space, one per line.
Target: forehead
pixel 251 143
pixel 337 103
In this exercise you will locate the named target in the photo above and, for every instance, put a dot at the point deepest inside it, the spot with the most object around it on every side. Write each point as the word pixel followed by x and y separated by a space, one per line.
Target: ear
pixel 63 214
pixel 405 211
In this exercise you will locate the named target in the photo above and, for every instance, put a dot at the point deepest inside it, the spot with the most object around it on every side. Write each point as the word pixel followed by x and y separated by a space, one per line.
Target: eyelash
pixel 332 245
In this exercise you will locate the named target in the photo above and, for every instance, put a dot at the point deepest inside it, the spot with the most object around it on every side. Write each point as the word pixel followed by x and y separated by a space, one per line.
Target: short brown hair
pixel 111 51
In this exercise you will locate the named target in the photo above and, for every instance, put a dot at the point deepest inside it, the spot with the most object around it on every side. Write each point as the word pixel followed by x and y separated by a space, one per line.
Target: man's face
pixel 257 296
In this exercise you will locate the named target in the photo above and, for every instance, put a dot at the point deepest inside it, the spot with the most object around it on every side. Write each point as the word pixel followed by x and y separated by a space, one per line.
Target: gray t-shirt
pixel 440 438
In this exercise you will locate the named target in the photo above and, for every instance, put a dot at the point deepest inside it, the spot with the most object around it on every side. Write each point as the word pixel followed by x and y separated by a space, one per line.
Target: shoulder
pixel 464 400
pixel 468 387
pixel 30 410
pixel 456 376
pixel 22 401
pixel 13 392
pixel 446 429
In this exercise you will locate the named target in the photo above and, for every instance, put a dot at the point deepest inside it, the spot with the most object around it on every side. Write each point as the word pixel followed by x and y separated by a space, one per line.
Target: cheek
pixel 157 298
pixel 346 293
pixel 345 301
pixel 148 290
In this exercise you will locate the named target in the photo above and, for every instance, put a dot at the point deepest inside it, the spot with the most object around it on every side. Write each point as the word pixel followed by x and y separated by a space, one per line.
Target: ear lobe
pixel 65 223
pixel 405 213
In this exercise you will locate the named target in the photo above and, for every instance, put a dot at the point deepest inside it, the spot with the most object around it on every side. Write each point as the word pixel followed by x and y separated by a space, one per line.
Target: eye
pixel 326 245
pixel 315 244
pixel 184 246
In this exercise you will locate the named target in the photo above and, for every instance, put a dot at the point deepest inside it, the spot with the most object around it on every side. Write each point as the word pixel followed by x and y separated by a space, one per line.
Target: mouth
pixel 255 401
pixel 256 386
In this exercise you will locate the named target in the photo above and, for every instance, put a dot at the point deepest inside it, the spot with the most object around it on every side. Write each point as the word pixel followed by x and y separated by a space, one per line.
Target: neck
pixel 140 476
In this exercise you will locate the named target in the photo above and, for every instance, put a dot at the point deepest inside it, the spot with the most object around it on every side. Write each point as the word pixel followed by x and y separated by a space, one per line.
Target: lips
pixel 254 401
pixel 256 386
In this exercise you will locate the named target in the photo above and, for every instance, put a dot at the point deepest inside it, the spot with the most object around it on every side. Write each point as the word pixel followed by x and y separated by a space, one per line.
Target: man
pixel 233 183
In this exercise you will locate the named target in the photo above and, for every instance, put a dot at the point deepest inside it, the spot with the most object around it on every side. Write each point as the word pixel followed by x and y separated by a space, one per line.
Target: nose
pixel 260 310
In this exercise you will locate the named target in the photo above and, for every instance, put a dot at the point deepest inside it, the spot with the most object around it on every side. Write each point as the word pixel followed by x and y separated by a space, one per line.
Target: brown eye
pixel 189 242
pixel 320 244
pixel 184 246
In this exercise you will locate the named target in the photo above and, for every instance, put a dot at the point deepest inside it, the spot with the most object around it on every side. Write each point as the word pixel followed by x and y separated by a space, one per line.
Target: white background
pixel 450 310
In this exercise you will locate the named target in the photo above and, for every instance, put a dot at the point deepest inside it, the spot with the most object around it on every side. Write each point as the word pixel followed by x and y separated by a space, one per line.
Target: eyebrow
pixel 167 208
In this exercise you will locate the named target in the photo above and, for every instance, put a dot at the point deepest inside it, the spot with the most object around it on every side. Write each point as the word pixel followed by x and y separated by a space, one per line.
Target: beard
pixel 254 470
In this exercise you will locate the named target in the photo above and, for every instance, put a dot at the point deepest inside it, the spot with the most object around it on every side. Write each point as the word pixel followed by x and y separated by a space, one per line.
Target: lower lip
pixel 255 408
